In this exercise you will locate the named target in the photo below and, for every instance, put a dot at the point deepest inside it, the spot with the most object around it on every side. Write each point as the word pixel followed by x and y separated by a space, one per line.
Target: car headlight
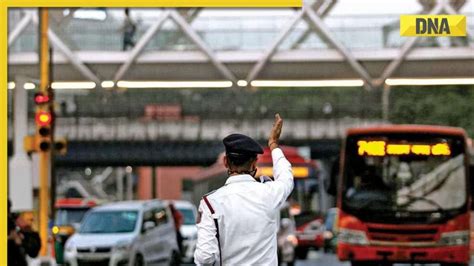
pixel 190 237
pixel 292 239
pixel 122 247
pixel 328 235
pixel 355 237
pixel 70 247
pixel 456 238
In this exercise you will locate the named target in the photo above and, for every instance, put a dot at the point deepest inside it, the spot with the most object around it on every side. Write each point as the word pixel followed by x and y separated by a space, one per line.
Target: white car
pixel 125 233
pixel 188 228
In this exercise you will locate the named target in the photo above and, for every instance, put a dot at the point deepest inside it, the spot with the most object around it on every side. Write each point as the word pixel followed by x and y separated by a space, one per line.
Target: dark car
pixel 309 232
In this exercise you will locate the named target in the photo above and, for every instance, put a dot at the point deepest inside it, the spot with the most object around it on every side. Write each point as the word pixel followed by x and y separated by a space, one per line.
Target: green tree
pixel 441 105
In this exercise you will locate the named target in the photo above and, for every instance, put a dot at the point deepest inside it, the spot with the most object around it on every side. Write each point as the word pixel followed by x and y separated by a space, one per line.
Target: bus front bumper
pixel 449 254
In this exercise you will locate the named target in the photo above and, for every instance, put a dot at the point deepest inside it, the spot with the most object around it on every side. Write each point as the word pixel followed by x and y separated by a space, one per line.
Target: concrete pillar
pixel 20 176
pixel 144 189
pixel 129 182
pixel 119 174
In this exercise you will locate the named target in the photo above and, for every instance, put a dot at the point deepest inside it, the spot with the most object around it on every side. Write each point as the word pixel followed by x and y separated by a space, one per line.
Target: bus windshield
pixel 70 216
pixel 402 176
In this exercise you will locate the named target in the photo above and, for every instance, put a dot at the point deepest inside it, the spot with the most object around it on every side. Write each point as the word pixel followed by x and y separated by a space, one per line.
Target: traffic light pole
pixel 53 151
pixel 44 156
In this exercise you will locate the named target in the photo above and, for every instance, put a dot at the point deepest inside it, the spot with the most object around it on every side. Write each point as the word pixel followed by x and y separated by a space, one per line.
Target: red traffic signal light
pixel 41 98
pixel 43 118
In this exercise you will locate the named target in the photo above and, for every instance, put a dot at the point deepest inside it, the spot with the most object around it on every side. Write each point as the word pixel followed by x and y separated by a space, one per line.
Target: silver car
pixel 188 228
pixel 125 233
pixel 286 237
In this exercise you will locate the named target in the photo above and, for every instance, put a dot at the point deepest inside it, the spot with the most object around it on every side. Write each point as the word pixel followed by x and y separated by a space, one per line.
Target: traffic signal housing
pixel 44 121
pixel 43 135
pixel 60 146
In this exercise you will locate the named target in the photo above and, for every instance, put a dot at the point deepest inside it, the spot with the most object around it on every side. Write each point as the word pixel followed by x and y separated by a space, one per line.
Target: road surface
pixel 320 258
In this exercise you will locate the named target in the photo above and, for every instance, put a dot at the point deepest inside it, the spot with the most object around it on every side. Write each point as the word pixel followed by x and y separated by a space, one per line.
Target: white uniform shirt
pixel 247 213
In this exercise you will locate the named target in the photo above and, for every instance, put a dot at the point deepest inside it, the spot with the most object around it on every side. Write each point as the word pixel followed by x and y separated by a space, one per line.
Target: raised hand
pixel 274 137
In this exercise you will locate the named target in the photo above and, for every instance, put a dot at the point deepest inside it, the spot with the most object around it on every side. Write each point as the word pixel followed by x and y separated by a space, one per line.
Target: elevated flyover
pixel 202 45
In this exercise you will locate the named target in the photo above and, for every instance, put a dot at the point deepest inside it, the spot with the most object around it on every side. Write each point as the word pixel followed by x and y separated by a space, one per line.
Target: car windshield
pixel 406 176
pixel 306 217
pixel 109 222
pixel 70 216
pixel 188 216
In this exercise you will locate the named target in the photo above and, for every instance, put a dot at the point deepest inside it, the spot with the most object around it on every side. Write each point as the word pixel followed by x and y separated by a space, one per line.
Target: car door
pixel 171 237
pixel 146 239
pixel 161 246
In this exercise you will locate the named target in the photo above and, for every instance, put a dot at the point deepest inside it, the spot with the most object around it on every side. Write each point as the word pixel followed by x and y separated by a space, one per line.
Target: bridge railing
pixel 231 33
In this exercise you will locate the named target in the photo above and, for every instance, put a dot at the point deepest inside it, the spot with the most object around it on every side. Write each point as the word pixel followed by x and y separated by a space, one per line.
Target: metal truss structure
pixel 240 67
pixel 312 14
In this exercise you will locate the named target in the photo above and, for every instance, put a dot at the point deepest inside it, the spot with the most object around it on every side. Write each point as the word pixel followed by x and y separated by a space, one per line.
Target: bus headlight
pixel 456 238
pixel 355 237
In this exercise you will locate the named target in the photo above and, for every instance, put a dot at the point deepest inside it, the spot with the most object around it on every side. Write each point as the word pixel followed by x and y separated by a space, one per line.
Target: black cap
pixel 238 144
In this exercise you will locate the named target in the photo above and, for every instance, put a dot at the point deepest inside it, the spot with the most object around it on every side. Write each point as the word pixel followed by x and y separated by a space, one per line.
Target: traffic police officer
pixel 237 223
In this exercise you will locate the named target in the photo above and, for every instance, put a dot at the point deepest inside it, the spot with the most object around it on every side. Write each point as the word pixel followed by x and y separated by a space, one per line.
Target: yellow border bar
pixel 155 3
pixel 3 131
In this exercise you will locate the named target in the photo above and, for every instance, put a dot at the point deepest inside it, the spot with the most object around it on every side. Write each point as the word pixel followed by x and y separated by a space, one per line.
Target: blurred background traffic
pixel 125 128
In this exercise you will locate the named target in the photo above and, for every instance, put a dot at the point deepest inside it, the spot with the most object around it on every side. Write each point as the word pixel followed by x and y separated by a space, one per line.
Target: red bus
pixel 404 196
pixel 305 172
pixel 306 201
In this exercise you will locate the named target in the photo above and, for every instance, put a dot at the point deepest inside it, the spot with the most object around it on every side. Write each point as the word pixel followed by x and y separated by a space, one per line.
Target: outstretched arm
pixel 281 188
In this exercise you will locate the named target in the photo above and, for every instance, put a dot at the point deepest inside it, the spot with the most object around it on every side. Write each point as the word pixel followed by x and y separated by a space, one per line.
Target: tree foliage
pixel 442 105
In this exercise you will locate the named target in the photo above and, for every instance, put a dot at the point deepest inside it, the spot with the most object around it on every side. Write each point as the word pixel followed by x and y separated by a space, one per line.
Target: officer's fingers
pixel 279 124
pixel 278 118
